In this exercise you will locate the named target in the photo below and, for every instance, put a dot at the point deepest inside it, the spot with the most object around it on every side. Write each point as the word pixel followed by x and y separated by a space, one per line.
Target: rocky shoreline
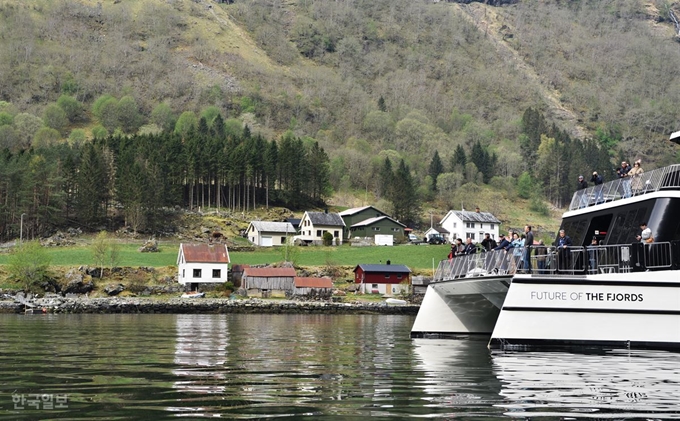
pixel 135 305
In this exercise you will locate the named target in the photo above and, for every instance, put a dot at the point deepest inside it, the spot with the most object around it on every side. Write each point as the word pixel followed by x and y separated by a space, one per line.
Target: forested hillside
pixel 203 97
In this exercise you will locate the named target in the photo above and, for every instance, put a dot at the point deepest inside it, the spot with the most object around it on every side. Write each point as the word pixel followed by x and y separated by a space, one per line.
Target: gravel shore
pixel 80 305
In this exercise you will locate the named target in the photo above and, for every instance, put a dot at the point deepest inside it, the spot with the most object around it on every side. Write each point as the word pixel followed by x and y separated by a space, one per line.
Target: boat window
pixel 627 225
pixel 576 230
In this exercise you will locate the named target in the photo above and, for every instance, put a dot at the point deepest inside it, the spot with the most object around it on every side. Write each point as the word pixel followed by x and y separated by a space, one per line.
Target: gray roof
pixel 383 268
pixel 328 219
pixel 467 216
pixel 353 211
pixel 372 221
pixel 267 226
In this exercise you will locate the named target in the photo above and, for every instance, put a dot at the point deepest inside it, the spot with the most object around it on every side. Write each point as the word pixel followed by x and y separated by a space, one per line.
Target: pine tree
pixel 381 104
pixel 404 196
pixel 458 160
pixel 385 179
pixel 436 168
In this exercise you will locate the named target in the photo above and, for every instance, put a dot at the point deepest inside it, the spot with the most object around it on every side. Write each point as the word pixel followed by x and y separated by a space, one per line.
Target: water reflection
pixel 616 384
pixel 309 366
pixel 200 352
pixel 463 375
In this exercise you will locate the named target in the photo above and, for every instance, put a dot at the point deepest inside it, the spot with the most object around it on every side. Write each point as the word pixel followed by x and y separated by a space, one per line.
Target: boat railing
pixel 620 258
pixel 622 188
pixel 478 264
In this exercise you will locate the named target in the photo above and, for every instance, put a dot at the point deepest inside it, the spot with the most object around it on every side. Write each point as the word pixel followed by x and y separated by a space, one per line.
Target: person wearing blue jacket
pixel 502 244
pixel 563 244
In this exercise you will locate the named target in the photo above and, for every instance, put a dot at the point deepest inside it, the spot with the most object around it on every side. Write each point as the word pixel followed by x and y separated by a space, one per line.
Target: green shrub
pixel 327 238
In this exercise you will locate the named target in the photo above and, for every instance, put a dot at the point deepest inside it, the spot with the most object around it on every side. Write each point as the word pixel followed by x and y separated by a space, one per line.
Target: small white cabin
pixel 202 263
pixel 268 234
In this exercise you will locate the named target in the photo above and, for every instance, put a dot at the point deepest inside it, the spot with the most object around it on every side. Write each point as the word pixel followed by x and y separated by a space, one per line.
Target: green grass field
pixel 420 258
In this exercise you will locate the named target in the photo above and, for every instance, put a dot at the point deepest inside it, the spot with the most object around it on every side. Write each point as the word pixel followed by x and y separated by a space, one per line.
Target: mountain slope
pixel 448 74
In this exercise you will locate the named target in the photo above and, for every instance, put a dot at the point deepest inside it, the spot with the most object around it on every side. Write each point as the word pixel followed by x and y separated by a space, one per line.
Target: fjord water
pixel 344 367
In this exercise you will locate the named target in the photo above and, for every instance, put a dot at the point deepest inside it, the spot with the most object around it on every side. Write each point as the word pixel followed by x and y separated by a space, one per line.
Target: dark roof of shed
pixel 269 272
pixel 383 268
pixel 205 253
pixel 294 221
pixel 328 219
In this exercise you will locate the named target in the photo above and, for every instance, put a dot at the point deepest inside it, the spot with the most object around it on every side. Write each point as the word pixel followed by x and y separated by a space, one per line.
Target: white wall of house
pixel 188 273
pixel 384 289
pixel 267 239
pixel 311 232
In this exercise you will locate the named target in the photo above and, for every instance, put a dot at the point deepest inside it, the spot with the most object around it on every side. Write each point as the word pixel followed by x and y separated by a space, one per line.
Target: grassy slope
pixel 418 258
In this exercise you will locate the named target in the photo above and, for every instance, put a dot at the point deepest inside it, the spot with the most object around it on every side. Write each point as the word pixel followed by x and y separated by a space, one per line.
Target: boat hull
pixel 636 310
pixel 461 307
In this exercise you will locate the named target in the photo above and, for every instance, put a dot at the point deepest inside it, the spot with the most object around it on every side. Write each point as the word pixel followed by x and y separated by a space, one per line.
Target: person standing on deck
pixel 563 252
pixel 528 245
pixel 597 181
pixel 582 185
pixel 622 173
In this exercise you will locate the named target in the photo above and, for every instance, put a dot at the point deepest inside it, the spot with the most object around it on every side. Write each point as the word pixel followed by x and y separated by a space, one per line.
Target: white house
pixel 433 231
pixel 313 225
pixel 267 234
pixel 465 224
pixel 202 263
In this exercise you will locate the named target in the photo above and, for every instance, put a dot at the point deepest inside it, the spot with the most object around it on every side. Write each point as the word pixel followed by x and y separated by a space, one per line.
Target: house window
pixel 469 224
pixel 197 273
pixel 184 273
pixel 395 229
pixel 491 226
pixel 217 273
pixel 374 285
pixel 454 224
pixel 283 240
pixel 470 235
pixel 399 276
pixel 376 228
pixel 335 234
pixel 318 233
pixel 387 276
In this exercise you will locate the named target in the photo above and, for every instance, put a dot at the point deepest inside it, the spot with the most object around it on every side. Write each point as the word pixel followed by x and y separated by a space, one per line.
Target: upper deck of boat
pixel 666 178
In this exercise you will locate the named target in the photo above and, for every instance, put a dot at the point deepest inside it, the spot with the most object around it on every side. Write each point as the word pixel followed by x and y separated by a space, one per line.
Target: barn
pixel 265 282
pixel 313 287
pixel 382 279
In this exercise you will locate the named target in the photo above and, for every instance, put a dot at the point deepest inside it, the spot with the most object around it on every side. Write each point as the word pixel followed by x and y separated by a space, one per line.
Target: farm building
pixel 267 234
pixel 202 263
pixel 313 287
pixel 267 281
pixel 315 224
pixel 356 215
pixel 382 279
pixel 376 226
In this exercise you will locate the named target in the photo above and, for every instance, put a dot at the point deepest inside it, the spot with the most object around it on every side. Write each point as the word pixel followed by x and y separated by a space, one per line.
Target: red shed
pixel 382 279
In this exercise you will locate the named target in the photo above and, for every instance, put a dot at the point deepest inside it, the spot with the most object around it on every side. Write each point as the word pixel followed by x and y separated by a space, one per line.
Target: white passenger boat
pixel 620 293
